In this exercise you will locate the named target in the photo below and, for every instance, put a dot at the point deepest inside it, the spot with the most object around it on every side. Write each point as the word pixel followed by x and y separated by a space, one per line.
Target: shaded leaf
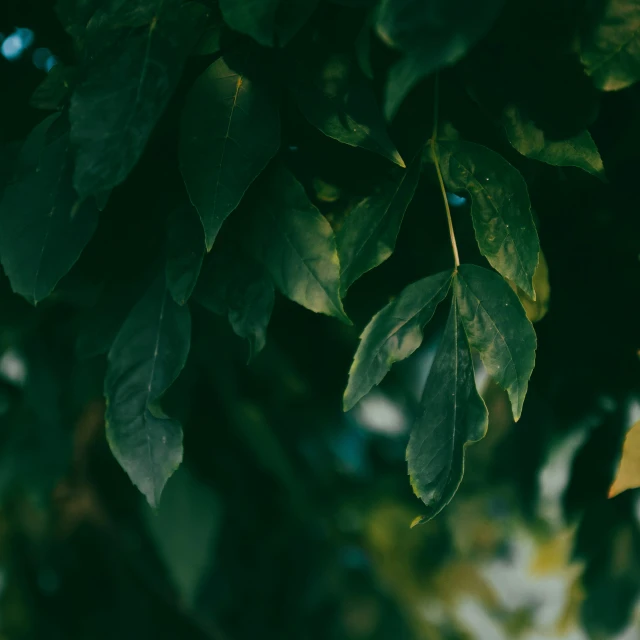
pixel 44 225
pixel 185 251
pixel 363 49
pixel 269 22
pixel 135 65
pixel 55 88
pixel 497 327
pixel 230 130
pixel 184 529
pixel 452 414
pixel 432 35
pixel 578 151
pixel 335 97
pixel 610 46
pixel 628 474
pixel 234 285
pixel 501 209
pixel 393 334
pixel 297 246
pixel 368 234
pixel 538 308
pixel 146 357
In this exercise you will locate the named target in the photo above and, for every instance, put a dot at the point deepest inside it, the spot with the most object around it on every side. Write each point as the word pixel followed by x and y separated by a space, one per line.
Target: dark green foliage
pixel 214 171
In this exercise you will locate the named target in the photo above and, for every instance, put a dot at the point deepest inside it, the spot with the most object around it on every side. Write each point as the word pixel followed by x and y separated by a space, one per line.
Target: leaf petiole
pixel 436 161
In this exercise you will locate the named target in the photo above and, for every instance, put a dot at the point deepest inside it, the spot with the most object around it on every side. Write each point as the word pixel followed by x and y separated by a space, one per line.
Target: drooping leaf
pixel 185 251
pixel 497 326
pixel 393 334
pixel 526 138
pixel 610 45
pixel 230 131
pixel 44 225
pixel 538 308
pixel 297 246
pixel 628 474
pixel 234 285
pixel 501 209
pixel 368 235
pixel 146 357
pixel 363 49
pixel 269 22
pixel 432 35
pixel 452 414
pixel 135 63
pixel 334 96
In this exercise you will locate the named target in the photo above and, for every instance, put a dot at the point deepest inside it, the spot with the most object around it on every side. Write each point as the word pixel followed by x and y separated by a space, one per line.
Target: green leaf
pixel 610 46
pixel 452 414
pixel 501 209
pixel 526 138
pixel 135 64
pixel 268 22
pixel 53 91
pixel 234 285
pixel 230 130
pixel 363 49
pixel 185 251
pixel 146 357
pixel 297 246
pixel 44 225
pixel 335 97
pixel 497 327
pixel 432 35
pixel 368 235
pixel 185 529
pixel 393 334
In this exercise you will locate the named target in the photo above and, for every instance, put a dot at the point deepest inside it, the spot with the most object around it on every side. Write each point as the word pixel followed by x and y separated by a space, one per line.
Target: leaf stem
pixel 434 151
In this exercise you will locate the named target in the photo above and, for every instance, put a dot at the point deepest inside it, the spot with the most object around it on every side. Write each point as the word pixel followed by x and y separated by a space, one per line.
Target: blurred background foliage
pixel 290 519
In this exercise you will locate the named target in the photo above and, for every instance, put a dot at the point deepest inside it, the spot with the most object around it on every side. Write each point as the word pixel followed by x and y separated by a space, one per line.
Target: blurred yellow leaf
pixel 536 310
pixel 628 475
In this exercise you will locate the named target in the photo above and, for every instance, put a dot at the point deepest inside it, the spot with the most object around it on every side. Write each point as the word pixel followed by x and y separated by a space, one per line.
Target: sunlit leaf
pixel 234 285
pixel 432 35
pixel 452 414
pixel 44 225
pixel 393 334
pixel 538 308
pixel 185 250
pixel 136 61
pixel 297 246
pixel 610 46
pixel 269 22
pixel 230 130
pixel 578 151
pixel 146 357
pixel 496 326
pixel 501 209
pixel 628 474
pixel 335 97
pixel 368 234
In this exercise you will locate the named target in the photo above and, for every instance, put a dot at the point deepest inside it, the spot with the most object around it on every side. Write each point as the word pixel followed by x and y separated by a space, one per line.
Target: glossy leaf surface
pixel 393 334
pixel 136 60
pixel 230 130
pixel 452 414
pixel 501 209
pixel 297 245
pixel 44 224
pixel 146 357
pixel 578 151
pixel 368 234
pixel 497 327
